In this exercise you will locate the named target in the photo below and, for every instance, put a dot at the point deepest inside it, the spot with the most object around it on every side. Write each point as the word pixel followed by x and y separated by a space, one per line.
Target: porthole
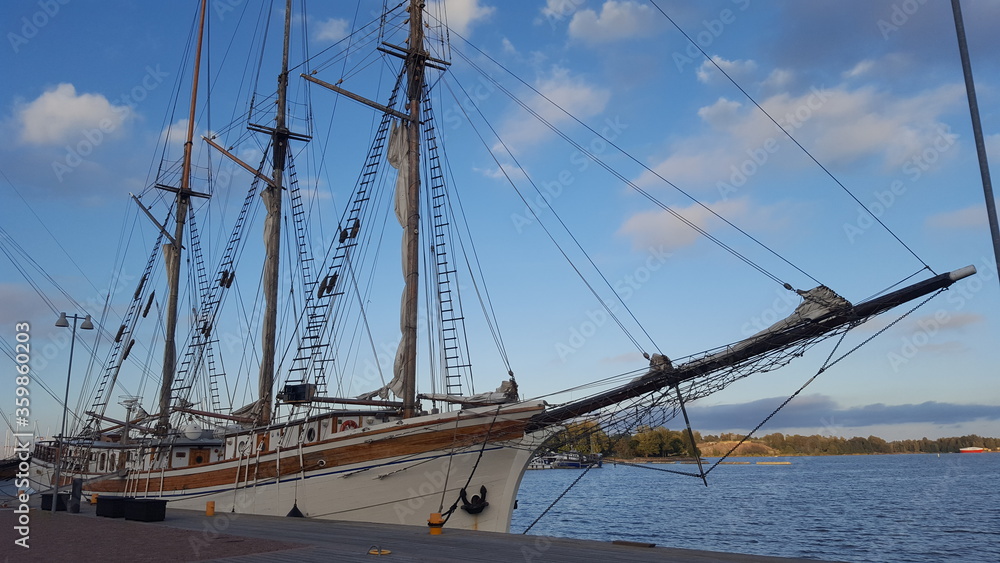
pixel 311 434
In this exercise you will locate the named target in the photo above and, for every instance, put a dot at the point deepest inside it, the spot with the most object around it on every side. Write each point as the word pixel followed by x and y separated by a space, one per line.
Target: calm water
pixel 845 508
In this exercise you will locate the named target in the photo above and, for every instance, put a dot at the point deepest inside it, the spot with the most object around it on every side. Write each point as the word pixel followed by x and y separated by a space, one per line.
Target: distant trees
pixel 585 437
pixel 660 442
pixel 589 438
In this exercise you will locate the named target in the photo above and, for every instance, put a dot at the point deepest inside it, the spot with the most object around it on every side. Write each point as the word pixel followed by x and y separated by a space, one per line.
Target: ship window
pixel 111 462
pixel 181 454
pixel 100 466
pixel 310 434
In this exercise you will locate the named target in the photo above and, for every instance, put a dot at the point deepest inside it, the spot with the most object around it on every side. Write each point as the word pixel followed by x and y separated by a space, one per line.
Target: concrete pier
pixel 187 535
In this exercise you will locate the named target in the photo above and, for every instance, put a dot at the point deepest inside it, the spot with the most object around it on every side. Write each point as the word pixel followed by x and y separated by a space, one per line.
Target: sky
pixel 95 93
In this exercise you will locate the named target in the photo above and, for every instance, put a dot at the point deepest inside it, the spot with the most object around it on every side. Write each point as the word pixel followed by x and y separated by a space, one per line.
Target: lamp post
pixel 63 322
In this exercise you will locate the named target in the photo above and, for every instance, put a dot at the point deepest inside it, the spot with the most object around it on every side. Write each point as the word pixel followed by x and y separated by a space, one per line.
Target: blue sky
pixel 872 89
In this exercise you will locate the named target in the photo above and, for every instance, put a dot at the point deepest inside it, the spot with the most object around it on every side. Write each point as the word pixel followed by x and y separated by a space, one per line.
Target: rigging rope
pixel 558 498
pixel 549 233
pixel 826 365
pixel 792 138
pixel 631 184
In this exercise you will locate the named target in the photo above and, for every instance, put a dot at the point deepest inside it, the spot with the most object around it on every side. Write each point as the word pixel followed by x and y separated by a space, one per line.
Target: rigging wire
pixel 483 295
pixel 558 498
pixel 826 365
pixel 551 236
pixel 632 184
pixel 792 138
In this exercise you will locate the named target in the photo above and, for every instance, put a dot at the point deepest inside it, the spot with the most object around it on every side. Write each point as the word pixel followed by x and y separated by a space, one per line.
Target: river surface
pixel 888 508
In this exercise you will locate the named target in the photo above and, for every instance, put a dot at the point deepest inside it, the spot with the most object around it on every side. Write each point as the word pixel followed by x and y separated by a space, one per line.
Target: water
pixel 898 508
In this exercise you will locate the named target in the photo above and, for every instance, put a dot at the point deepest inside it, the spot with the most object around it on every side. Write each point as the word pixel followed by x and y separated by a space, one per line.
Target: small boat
pixel 569 460
pixel 540 462
pixel 971 450
pixel 576 460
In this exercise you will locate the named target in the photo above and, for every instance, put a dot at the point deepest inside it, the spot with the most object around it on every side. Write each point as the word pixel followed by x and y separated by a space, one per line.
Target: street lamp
pixel 63 322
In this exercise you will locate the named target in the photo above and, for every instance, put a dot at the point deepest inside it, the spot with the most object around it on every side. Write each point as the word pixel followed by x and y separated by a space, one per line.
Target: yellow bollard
pixel 436 523
pixel 93 498
pixel 210 508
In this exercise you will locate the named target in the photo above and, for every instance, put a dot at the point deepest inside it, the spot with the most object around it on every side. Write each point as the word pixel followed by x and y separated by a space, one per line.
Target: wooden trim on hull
pixel 381 446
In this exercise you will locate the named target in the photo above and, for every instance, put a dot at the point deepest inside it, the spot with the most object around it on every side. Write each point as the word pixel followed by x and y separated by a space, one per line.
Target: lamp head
pixel 62 322
pixel 86 324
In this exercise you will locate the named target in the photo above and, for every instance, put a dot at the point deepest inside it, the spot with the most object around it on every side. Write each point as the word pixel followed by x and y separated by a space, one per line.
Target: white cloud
pixel 993 147
pixel 333 30
pixel 175 133
pixel 314 194
pixel 721 113
pixel 860 69
pixel 779 79
pixel 970 217
pixel 692 161
pixel 617 20
pixel 850 125
pixel 570 93
pixel 501 172
pixel 460 14
pixel 558 9
pixel 840 126
pixel 61 115
pixel 740 70
pixel 660 228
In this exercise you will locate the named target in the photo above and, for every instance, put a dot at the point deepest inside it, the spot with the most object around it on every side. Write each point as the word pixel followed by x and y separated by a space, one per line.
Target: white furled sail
pixel 398 146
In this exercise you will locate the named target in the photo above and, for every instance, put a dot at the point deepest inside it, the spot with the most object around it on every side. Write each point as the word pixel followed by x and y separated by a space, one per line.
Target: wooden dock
pixel 188 535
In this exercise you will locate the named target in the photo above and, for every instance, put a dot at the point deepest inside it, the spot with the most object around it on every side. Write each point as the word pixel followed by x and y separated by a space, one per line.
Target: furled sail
pixel 505 393
pixel 817 303
pixel 821 313
pixel 398 145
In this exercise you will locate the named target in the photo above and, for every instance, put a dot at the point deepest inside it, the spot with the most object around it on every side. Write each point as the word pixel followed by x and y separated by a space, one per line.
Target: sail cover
pixel 817 303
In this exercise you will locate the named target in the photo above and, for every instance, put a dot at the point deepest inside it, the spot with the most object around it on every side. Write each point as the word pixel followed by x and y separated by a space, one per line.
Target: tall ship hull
pixel 332 467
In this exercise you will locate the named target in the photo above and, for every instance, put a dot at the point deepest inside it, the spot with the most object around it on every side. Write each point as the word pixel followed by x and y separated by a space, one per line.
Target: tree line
pixel 589 438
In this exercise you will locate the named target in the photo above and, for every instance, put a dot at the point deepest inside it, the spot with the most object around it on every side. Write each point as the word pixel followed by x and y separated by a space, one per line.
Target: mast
pixel 977 129
pixel 172 250
pixel 415 64
pixel 272 236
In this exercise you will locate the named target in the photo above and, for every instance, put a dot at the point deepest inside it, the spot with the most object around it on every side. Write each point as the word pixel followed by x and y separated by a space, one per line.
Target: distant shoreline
pixel 687 459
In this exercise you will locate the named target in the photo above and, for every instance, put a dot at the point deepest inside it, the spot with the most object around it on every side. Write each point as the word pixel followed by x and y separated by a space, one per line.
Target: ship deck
pixel 187 535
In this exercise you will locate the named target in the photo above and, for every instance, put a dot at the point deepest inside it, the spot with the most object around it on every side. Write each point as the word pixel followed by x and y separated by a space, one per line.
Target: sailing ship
pixel 389 455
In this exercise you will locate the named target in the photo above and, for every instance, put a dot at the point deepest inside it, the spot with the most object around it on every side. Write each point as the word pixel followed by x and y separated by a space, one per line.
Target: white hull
pixel 396 489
